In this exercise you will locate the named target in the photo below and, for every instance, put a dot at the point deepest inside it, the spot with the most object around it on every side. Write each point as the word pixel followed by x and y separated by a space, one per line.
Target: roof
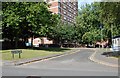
pixel 116 37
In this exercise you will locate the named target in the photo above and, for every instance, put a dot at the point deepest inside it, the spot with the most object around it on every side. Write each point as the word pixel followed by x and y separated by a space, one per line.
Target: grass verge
pixel 32 53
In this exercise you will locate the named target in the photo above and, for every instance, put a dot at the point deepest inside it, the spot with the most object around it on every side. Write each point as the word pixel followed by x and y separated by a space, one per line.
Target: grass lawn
pixel 118 57
pixel 105 49
pixel 32 53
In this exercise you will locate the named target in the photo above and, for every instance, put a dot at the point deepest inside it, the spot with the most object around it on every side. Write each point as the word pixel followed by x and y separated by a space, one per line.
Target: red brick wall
pixel 54 10
pixel 53 4
pixel 54 7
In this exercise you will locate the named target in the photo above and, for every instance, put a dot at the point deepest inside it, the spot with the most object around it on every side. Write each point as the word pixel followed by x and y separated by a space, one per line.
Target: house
pixel 102 44
pixel 38 41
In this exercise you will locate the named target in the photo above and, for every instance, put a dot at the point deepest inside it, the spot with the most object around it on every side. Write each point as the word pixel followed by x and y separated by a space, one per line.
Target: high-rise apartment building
pixel 67 9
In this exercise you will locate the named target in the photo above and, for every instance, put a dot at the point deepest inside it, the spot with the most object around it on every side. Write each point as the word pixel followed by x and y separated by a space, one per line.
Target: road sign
pixel 16 52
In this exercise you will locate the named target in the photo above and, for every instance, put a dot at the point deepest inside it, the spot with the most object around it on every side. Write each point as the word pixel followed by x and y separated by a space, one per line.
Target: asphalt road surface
pixel 76 64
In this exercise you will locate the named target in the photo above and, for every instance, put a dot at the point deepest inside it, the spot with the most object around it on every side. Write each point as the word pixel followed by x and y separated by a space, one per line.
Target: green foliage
pixel 110 15
pixel 88 23
pixel 63 33
pixel 26 19
pixel 22 20
pixel 92 16
pixel 87 37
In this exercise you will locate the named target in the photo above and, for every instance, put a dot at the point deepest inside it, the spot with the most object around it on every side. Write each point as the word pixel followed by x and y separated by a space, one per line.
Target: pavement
pixel 102 59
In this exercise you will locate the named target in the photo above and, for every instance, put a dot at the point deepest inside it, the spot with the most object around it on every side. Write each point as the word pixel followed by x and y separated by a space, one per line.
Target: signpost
pixel 16 52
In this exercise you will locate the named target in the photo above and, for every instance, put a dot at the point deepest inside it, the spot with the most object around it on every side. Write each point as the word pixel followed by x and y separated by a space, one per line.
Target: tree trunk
pixel 32 41
pixel 16 43
pixel 60 44
pixel 109 42
pixel 11 44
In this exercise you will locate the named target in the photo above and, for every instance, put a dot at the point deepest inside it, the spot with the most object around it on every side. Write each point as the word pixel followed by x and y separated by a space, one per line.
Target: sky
pixel 82 2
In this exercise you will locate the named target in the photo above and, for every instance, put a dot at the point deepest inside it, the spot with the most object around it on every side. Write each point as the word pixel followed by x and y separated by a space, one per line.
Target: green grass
pixel 105 49
pixel 117 57
pixel 32 53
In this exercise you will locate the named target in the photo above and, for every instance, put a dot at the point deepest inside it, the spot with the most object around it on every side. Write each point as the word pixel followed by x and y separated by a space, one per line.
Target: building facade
pixel 67 9
pixel 116 43
pixel 38 41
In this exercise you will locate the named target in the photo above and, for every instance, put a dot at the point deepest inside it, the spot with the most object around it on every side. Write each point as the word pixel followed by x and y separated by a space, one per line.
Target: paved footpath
pixel 102 59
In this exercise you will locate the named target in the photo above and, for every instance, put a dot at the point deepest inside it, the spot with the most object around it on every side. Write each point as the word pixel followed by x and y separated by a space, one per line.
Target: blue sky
pixel 82 2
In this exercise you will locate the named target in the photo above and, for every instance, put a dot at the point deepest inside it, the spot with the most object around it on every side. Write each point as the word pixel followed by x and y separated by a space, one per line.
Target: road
pixel 76 64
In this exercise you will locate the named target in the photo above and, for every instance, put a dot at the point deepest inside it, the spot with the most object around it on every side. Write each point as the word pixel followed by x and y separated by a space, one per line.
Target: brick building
pixel 38 41
pixel 67 9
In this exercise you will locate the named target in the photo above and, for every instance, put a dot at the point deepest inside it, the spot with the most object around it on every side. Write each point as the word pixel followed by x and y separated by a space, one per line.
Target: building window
pixel 70 10
pixel 74 3
pixel 64 6
pixel 64 18
pixel 68 19
pixel 74 8
pixel 64 12
pixel 69 5
pixel 63 2
pixel 74 13
pixel 58 4
pixel 59 11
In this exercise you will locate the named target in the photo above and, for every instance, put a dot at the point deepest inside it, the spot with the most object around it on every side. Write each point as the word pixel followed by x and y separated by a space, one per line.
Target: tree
pixel 25 19
pixel 92 16
pixel 91 37
pixel 88 23
pixel 62 33
pixel 110 16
